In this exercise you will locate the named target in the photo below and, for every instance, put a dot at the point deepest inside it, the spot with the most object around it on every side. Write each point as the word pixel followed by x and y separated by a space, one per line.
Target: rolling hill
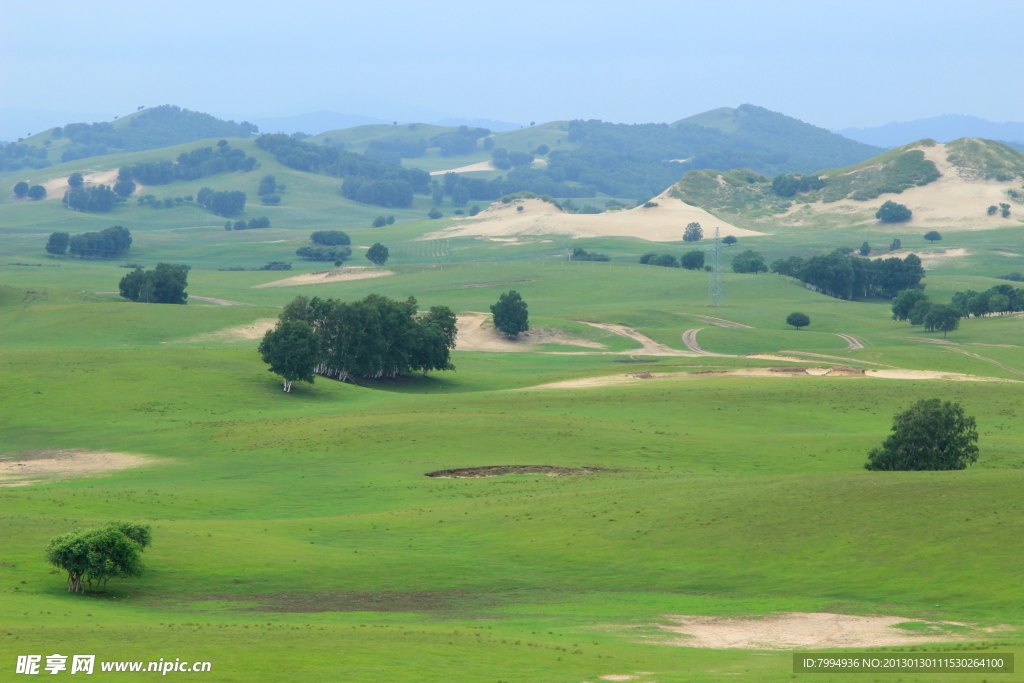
pixel 948 187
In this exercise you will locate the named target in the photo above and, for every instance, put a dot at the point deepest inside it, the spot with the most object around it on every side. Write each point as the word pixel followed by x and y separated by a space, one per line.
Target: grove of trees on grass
pixel 107 243
pixel 844 276
pixel 99 198
pixel 165 284
pixel 375 337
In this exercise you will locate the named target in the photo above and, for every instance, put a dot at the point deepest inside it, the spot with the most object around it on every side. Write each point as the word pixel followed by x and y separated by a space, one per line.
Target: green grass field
pixel 297 538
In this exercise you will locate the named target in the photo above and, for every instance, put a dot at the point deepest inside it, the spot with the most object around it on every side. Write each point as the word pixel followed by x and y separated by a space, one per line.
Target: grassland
pixel 296 537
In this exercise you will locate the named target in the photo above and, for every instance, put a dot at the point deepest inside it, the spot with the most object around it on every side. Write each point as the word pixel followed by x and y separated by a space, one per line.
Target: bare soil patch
pixel 56 187
pixel 253 330
pixel 33 467
pixel 504 470
pixel 648 346
pixel 928 258
pixel 218 302
pixel 797 630
pixel 327 276
pixel 477 333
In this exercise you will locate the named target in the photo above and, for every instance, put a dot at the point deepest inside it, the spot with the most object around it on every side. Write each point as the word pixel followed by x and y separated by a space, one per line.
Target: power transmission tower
pixel 716 285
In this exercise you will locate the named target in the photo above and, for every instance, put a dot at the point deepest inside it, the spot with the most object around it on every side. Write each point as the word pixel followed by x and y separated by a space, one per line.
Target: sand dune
pixel 662 223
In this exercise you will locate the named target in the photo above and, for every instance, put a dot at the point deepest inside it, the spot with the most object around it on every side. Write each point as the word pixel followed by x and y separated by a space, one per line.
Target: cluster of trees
pixel 788 184
pixel 251 224
pixel 749 261
pixel 395 149
pixel 268 189
pixel 99 198
pixel 579 254
pixel 930 435
pixel 375 337
pixel 108 243
pixel 691 260
pixel 505 159
pixel 367 180
pixel 94 556
pixel 317 252
pixel 330 238
pixel 914 306
pixel 15 156
pixel 154 128
pixel 165 284
pixel 458 142
pixel 229 203
pixel 165 203
pixel 1003 208
pixel 891 212
pixel 199 163
pixel 510 314
pixel 35 192
pixel 844 276
pixel 381 221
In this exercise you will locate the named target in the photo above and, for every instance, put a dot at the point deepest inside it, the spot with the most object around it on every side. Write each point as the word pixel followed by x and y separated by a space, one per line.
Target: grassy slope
pixel 730 496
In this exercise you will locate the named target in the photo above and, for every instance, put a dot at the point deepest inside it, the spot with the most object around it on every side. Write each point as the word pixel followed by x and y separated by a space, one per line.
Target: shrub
pixel 474 210
pixel 865 249
pixel 75 180
pixel 991 211
pixel 276 265
pixel 390 220
pixel 579 254
pixel 434 213
pixel 379 222
pixel 20 189
pixel 330 238
pixel 270 199
pixel 896 244
pixel 36 192
pixel 322 253
pixel 891 212
pixel 749 262
pixel 692 260
pixel 932 236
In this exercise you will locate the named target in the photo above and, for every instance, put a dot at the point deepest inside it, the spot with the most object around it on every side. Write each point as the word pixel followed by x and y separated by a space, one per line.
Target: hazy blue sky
pixel 831 63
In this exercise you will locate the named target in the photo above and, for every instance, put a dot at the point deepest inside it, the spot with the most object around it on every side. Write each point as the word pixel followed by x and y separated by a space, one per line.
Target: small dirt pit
pixel 503 470
pixel 33 467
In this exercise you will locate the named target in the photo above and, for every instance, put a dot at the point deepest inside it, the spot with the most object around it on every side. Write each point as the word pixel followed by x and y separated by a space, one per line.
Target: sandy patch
pixel 648 347
pixel 662 223
pixel 36 466
pixel 504 470
pixel 932 374
pixel 928 258
pixel 481 166
pixel 1008 253
pixel 955 202
pixel 56 187
pixel 477 333
pixel 327 276
pixel 797 630
pixel 254 330
pixel 639 377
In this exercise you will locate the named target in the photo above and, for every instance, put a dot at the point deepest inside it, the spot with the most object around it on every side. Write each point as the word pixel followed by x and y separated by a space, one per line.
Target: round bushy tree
pixel 377 254
pixel 693 232
pixel 20 189
pixel 75 180
pixel 510 314
pixel 930 435
pixel 292 349
pixel 932 236
pixel 891 212
pixel 798 320
pixel 729 240
pixel 36 192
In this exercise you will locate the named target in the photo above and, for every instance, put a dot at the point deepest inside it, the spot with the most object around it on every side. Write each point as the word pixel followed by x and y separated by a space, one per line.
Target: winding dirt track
pixel 851 341
pixel 649 347
pixel 987 360
pixel 690 339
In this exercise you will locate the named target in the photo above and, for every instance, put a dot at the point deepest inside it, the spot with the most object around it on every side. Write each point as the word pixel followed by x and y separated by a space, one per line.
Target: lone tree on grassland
pixel 292 350
pixel 798 320
pixel 729 240
pixel 99 554
pixel 930 435
pixel 891 212
pixel 693 232
pixel 932 236
pixel 510 315
pixel 378 254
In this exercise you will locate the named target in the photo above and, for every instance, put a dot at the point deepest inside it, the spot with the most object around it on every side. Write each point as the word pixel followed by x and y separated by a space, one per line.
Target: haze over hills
pixel 943 128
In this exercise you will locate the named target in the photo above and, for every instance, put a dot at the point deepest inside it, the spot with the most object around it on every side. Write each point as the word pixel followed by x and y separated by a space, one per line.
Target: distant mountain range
pixel 939 128
pixel 323 121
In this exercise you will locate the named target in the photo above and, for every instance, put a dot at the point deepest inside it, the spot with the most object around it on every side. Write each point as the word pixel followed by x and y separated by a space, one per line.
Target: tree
pixel 798 320
pixel 58 243
pixel 379 222
pixel 268 185
pixel 941 317
pixel 107 243
pixel 124 188
pixel 905 302
pixel 20 189
pixel 998 303
pixel 991 211
pixel 510 314
pixel 930 435
pixel 377 254
pixel 330 238
pixel 165 284
pixel 729 240
pixel 292 350
pixel 99 554
pixel 75 180
pixel 100 198
pixel 749 261
pixel 692 260
pixel 891 212
pixel 36 192
pixel 896 244
pixel 693 232
pixel 865 249
pixel 932 236
pixel 434 213
pixel 390 220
